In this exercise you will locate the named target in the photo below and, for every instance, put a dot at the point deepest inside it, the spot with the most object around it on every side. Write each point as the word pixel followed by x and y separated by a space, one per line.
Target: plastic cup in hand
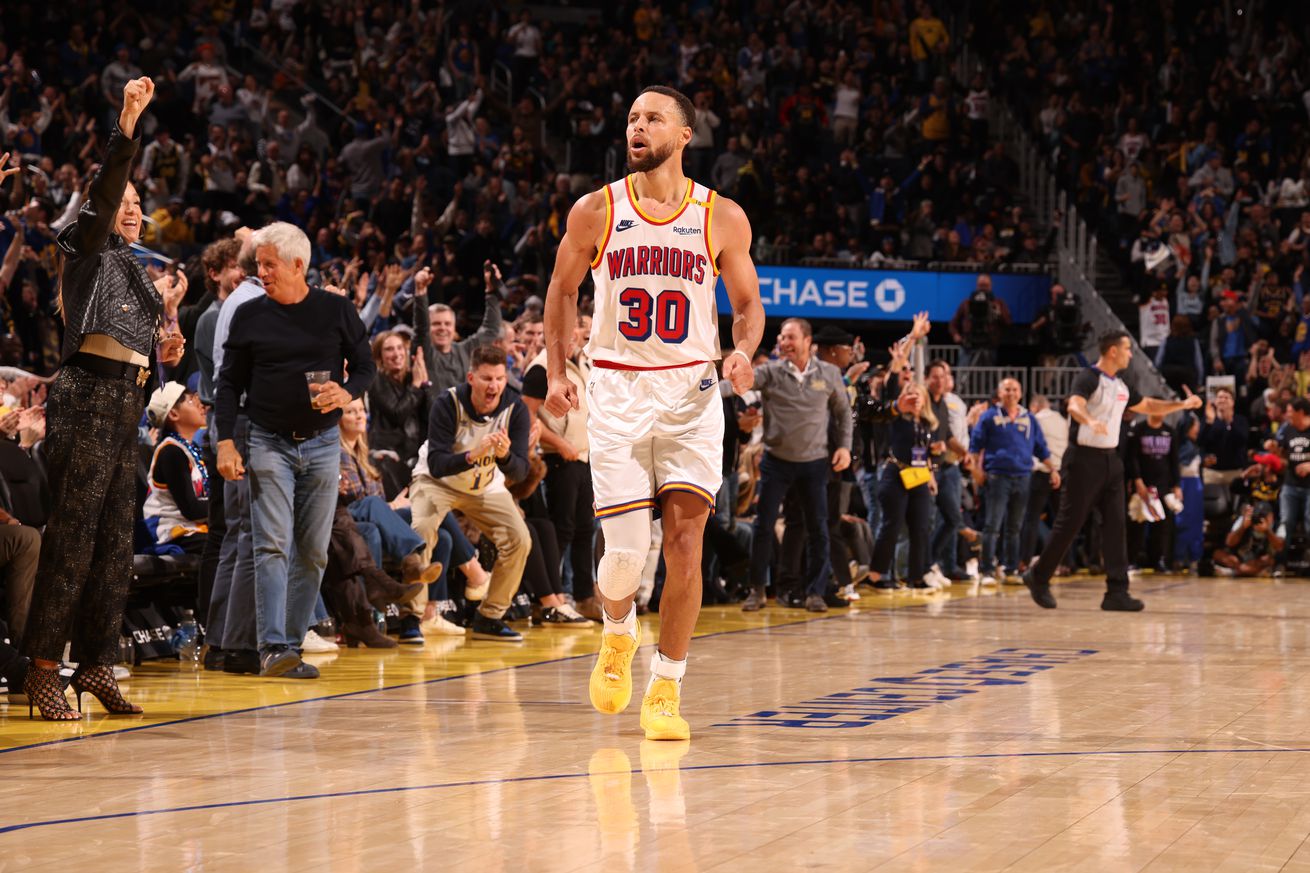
pixel 316 377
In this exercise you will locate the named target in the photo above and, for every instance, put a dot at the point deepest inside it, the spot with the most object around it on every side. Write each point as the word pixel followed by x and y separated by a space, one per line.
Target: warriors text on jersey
pixel 655 281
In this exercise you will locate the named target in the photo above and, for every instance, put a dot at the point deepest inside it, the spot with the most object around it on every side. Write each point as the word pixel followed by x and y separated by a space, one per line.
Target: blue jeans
pixel 1293 510
pixel 1190 540
pixel 232 607
pixel 1006 498
pixel 293 496
pixel 725 503
pixel 811 480
pixel 946 533
pixel 386 531
pixel 869 490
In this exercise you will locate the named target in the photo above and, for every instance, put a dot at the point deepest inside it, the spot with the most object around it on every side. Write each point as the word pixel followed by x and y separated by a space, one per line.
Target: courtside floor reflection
pixel 967 732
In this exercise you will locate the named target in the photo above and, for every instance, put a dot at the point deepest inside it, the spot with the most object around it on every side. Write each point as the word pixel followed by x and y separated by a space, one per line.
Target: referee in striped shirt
pixel 1094 473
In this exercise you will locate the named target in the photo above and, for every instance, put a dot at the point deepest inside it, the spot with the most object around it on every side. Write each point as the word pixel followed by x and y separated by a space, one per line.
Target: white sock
pixel 664 667
pixel 626 625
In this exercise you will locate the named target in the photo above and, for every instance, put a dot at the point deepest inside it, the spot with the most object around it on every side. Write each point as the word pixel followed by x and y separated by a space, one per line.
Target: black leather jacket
pixel 105 289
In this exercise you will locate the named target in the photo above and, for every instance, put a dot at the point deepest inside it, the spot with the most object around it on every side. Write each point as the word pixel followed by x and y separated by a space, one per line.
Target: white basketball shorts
pixel 651 432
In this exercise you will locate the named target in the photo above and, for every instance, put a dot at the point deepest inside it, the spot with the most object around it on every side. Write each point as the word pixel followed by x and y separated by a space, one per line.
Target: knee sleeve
pixel 627 542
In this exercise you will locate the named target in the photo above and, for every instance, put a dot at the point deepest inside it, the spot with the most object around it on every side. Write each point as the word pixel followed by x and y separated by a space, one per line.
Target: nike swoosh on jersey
pixel 625 224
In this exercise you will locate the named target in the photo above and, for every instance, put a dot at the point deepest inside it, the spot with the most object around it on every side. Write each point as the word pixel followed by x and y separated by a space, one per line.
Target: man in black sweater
pixel 274 344
pixel 478 439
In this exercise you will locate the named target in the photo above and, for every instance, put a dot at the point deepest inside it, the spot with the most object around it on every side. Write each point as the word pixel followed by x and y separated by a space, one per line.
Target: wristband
pixel 740 352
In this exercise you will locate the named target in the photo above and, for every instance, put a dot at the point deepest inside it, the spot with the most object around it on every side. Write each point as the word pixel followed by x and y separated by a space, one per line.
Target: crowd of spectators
pixel 434 204
pixel 1182 136
pixel 1183 140
pixel 381 132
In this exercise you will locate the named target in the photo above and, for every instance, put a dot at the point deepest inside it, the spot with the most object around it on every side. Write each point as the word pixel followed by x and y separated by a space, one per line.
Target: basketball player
pixel 655 243
pixel 1095 472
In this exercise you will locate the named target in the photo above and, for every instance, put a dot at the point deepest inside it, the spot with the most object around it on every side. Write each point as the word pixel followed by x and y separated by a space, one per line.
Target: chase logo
pixel 706 383
pixel 625 224
pixel 889 294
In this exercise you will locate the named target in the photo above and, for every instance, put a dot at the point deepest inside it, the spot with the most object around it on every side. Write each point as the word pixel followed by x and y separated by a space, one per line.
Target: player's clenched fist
pixel 739 372
pixel 561 396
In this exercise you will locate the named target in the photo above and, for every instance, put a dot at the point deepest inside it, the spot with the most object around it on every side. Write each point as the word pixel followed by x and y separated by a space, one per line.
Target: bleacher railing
pixel 979 384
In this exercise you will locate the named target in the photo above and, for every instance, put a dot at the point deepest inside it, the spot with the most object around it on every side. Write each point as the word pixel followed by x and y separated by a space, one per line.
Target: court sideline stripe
pixel 551 777
pixel 344 694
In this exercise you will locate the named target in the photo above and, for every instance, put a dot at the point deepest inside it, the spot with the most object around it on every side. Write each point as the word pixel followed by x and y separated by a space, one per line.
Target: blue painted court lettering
pixel 889 696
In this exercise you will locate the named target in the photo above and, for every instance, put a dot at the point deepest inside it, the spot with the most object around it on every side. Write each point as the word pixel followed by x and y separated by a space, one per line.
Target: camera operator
pixel 1059 329
pixel 979 324
pixel 869 435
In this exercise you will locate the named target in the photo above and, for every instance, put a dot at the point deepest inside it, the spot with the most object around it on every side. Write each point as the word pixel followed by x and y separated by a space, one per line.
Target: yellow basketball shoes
pixel 611 678
pixel 659 712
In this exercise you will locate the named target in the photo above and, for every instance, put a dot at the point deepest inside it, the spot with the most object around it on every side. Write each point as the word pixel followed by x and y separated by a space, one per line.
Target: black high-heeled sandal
pixel 45 692
pixel 99 682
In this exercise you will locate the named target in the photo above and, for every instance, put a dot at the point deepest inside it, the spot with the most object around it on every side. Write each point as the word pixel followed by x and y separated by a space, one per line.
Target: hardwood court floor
pixel 961 734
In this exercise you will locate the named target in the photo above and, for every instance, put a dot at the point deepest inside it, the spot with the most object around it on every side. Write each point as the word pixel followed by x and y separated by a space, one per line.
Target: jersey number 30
pixel 666 314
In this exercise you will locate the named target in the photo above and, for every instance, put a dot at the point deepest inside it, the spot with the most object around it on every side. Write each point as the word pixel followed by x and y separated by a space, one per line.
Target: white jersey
pixel 161 505
pixel 1153 321
pixel 485 476
pixel 655 282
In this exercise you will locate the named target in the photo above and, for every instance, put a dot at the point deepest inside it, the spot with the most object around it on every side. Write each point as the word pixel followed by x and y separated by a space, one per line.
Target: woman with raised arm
pixel 907 487
pixel 112 323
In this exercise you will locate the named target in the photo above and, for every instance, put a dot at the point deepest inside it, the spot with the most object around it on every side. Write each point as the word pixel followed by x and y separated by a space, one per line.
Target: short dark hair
pixel 1301 405
pixel 1112 339
pixel 938 364
pixel 487 355
pixel 685 106
pixel 806 328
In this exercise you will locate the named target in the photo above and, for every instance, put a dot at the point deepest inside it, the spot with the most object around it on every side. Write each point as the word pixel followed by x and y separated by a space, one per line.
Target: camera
pixel 870 409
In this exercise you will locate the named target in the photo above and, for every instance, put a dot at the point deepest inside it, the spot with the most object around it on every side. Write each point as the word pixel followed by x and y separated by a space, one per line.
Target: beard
pixel 653 160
